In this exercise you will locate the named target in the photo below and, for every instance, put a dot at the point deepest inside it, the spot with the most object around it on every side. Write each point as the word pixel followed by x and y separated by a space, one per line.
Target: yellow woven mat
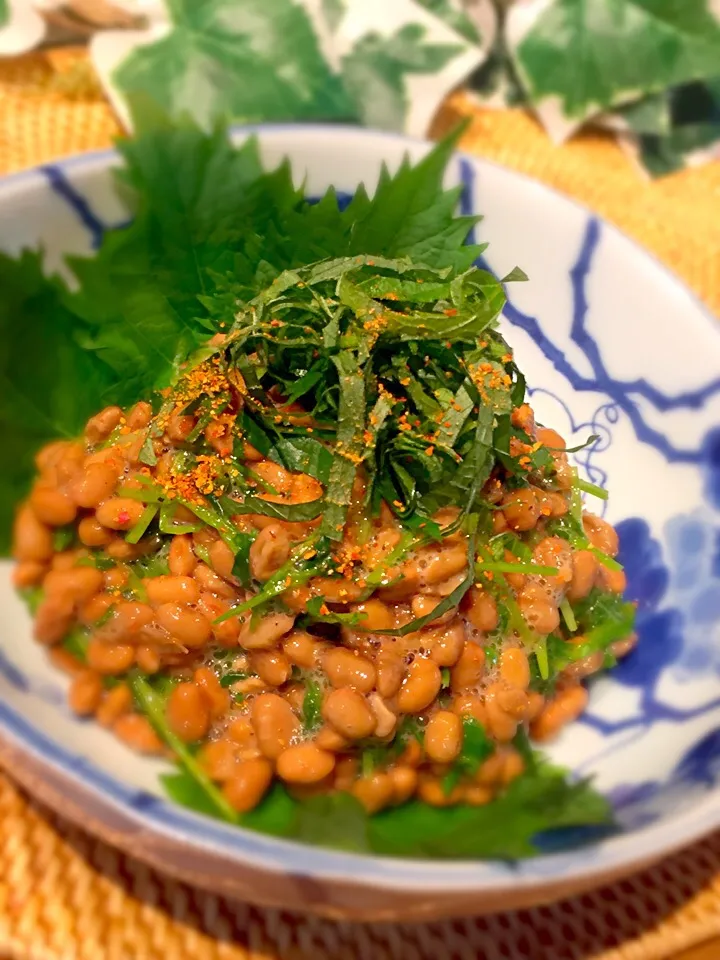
pixel 66 896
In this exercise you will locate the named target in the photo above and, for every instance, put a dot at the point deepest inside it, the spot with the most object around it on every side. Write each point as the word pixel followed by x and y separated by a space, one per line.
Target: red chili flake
pixel 123 516
pixel 451 312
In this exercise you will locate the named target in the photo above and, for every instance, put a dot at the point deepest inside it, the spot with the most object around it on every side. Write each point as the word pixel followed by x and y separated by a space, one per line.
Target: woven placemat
pixel 66 896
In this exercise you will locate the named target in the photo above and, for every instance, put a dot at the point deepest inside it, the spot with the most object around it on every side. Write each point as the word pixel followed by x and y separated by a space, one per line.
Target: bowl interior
pixel 599 330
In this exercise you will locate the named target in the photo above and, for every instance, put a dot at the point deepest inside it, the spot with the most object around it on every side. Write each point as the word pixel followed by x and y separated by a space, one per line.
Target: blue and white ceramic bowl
pixel 612 344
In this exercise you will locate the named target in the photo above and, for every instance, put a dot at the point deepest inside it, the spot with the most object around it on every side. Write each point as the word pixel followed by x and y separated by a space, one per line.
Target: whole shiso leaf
pixel 193 195
pixel 540 801
pixel 49 385
pixel 534 811
pixel 411 215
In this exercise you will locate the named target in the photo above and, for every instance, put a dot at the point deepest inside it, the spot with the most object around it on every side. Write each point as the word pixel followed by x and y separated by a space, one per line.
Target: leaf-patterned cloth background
pixel 383 64
pixel 648 70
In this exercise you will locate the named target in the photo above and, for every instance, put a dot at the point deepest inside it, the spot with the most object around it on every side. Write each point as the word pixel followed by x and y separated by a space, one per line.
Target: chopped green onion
pixel 263 484
pixel 592 489
pixel 406 543
pixel 214 518
pixel 230 678
pixel 581 446
pixel 516 620
pixel 97 560
pixel 476 746
pixel 167 523
pixel 150 494
pixel 106 617
pixel 291 574
pixel 312 706
pixel 601 637
pixel 575 499
pixel 315 614
pixel 136 586
pixel 606 560
pixel 145 481
pixel 153 564
pixel 541 656
pixel 76 643
pixel 447 603
pixel 451 780
pixel 501 566
pixel 146 518
pixel 241 564
pixel 63 537
pixel 568 616
pixel 147 453
pixel 207 414
pixel 368 762
pixel 202 552
pixel 511 542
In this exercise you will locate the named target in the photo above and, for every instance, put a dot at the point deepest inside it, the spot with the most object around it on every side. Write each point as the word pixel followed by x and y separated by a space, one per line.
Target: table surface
pixel 54 881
